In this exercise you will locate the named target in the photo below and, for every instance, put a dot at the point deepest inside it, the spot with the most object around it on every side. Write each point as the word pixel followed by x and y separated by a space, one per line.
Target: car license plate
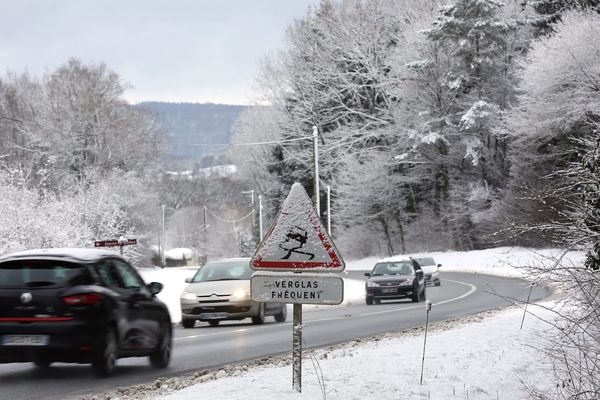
pixel 214 315
pixel 389 290
pixel 25 340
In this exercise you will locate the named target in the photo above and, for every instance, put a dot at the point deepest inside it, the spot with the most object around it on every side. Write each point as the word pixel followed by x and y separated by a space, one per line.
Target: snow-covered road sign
pixel 115 242
pixel 297 240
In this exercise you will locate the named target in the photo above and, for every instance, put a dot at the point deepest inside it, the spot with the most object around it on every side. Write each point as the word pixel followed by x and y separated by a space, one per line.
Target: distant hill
pixel 194 123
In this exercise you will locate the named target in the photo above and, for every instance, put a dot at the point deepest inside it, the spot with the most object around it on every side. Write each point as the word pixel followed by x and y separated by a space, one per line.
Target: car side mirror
pixel 155 288
pixel 439 265
pixel 368 274
pixel 188 280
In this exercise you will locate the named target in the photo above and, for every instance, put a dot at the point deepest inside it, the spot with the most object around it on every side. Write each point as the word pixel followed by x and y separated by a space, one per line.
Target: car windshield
pixel 425 262
pixel 42 273
pixel 224 271
pixel 393 268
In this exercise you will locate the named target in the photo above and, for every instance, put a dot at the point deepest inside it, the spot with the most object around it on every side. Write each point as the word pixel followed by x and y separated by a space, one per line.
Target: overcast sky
pixel 167 50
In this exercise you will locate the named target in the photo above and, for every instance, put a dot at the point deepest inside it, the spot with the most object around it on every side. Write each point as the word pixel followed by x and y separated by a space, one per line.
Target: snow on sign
pixel 297 240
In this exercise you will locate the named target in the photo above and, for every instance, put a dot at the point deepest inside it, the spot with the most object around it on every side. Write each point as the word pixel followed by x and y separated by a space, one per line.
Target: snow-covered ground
pixel 487 356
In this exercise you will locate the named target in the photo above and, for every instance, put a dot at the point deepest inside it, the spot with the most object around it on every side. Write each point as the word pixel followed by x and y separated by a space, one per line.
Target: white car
pixel 430 269
pixel 220 290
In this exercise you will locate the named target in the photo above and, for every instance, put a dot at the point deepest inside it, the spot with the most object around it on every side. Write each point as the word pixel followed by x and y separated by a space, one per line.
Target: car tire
pixel 188 323
pixel 416 294
pixel 214 322
pixel 260 318
pixel 105 358
pixel 161 356
pixel 369 301
pixel 438 283
pixel 42 363
pixel 282 316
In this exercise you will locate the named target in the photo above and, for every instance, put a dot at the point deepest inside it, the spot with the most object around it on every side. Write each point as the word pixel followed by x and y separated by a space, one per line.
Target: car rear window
pixel 42 273
pixel 425 261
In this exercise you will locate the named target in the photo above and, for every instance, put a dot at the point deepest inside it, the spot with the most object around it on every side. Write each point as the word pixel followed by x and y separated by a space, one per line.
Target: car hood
pixel 217 287
pixel 390 278
pixel 429 269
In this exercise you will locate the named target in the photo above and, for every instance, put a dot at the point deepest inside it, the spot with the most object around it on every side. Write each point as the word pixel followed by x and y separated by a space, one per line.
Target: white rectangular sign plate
pixel 302 288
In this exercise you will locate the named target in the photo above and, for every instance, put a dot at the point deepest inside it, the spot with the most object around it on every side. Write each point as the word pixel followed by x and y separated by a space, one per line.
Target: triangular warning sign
pixel 297 240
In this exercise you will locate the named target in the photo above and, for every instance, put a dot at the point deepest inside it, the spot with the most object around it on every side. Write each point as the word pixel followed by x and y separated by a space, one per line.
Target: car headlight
pixel 188 296
pixel 241 294
pixel 406 283
pixel 372 284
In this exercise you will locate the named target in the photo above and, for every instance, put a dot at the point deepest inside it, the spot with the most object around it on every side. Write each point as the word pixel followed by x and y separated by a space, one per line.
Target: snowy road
pixel 209 347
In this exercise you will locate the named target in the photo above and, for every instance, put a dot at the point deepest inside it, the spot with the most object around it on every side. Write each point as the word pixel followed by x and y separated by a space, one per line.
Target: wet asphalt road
pixel 204 346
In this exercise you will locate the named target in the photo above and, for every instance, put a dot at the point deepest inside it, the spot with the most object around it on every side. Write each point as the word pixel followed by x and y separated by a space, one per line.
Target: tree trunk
pixel 388 239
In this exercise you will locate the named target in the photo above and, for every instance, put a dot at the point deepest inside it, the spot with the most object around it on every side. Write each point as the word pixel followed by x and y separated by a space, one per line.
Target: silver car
pixel 220 290
pixel 430 268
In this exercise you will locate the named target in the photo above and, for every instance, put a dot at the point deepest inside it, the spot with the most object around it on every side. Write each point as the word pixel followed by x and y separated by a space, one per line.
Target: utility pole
pixel 316 167
pixel 329 210
pixel 297 321
pixel 260 223
pixel 251 193
pixel 204 237
pixel 162 247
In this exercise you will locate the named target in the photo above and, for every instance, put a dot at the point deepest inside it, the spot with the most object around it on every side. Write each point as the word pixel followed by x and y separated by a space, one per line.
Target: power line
pixel 231 220
pixel 242 144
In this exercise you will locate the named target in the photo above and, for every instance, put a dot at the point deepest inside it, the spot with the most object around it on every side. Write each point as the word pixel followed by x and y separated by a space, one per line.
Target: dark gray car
pixel 395 278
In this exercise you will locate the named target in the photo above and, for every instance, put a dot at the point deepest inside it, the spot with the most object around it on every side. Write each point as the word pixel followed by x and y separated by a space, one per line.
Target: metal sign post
pixel 297 349
pixel 297 243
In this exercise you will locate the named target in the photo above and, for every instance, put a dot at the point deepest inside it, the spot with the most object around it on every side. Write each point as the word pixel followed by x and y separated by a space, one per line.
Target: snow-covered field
pixel 487 356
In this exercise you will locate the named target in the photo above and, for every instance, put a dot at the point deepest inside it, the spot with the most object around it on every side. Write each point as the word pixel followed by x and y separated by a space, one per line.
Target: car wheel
pixel 282 316
pixel 161 356
pixel 260 318
pixel 438 283
pixel 106 355
pixel 42 363
pixel 369 301
pixel 188 323
pixel 213 322
pixel 416 294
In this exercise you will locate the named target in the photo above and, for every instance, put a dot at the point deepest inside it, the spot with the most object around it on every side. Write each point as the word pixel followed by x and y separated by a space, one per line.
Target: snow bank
pixel 501 261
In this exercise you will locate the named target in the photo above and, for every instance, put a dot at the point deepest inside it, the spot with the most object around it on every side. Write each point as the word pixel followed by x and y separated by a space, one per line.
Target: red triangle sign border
pixel 262 263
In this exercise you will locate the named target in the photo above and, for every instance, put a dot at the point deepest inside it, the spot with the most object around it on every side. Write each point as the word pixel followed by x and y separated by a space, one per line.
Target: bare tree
pixel 558 127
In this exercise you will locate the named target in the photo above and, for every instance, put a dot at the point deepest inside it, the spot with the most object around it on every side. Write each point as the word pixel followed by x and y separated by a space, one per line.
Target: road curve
pixel 204 347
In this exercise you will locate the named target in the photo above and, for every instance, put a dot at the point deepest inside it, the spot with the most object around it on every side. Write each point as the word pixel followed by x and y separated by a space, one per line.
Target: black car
pixel 81 306
pixel 395 278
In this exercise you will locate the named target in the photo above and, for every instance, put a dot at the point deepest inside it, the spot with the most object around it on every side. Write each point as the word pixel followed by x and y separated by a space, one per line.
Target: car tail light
pixel 85 299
